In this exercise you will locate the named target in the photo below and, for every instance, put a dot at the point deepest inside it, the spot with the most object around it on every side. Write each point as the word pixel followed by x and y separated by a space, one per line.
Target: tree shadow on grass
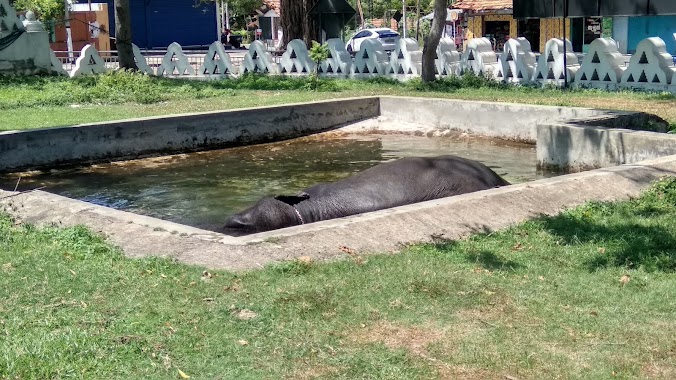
pixel 625 241
pixel 486 259
pixel 493 262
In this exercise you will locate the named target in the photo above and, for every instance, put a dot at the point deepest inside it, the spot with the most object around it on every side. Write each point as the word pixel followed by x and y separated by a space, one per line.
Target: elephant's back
pixel 411 179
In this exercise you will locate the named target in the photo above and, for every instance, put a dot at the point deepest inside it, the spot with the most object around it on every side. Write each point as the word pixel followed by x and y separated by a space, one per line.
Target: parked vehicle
pixel 387 37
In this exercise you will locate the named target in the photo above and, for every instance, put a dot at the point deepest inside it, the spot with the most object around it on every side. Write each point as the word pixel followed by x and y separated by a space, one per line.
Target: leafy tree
pixel 318 53
pixel 44 9
pixel 238 10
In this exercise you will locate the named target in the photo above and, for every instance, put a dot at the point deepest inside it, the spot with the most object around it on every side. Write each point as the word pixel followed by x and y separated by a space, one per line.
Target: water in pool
pixel 202 189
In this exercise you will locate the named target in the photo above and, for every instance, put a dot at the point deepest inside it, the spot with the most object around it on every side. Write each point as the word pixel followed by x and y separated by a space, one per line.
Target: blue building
pixel 158 23
pixel 629 31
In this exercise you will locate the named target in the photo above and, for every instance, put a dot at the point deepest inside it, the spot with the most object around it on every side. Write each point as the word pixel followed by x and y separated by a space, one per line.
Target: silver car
pixel 387 37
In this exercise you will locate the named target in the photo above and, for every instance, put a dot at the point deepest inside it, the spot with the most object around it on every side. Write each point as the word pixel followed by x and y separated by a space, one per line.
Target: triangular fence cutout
pixel 631 78
pixel 509 56
pixel 595 75
pixel 595 58
pixel 584 76
pixel 365 55
pixel 656 79
pixel 401 55
pixel 293 54
pixel 606 78
pixel 643 78
pixel 643 59
pixel 550 57
pixel 550 74
pixel 471 56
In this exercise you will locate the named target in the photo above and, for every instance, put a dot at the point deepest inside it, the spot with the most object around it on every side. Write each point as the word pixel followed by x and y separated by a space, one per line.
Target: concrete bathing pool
pixel 568 139
pixel 201 189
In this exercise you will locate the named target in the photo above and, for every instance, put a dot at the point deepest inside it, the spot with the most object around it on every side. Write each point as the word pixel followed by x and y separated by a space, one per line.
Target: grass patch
pixel 581 295
pixel 34 102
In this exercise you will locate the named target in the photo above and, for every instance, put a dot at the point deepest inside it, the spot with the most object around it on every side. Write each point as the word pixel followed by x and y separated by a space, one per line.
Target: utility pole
pixel 565 40
pixel 403 11
pixel 69 36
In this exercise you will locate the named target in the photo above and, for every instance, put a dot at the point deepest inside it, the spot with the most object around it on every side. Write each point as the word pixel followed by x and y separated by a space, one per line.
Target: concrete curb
pixel 448 218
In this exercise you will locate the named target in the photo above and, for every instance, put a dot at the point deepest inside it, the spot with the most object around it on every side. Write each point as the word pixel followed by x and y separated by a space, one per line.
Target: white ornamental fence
pixel 650 68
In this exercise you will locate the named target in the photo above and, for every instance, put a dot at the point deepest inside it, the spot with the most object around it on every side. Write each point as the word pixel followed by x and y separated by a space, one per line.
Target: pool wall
pixel 565 136
pixel 88 143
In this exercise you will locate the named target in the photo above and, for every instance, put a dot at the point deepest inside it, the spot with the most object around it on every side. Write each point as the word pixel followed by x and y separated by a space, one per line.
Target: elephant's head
pixel 267 214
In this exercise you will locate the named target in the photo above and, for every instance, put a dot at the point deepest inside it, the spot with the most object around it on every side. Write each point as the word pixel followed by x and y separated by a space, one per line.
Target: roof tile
pixel 483 5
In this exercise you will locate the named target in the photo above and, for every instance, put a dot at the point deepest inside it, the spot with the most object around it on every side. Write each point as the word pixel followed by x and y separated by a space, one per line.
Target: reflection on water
pixel 201 189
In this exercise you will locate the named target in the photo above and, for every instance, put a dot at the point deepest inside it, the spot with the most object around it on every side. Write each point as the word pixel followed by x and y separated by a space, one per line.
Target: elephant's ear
pixel 293 199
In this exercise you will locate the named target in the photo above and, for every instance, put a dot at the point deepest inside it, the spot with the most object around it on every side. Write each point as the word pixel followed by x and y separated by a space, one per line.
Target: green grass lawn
pixel 587 294
pixel 37 102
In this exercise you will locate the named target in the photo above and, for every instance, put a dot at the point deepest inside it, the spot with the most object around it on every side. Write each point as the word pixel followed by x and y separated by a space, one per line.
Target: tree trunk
pixel 432 41
pixel 125 52
pixel 360 9
pixel 296 22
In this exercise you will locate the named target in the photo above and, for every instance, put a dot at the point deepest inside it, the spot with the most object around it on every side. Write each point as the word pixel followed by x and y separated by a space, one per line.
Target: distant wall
pixel 29 54
pixel 663 27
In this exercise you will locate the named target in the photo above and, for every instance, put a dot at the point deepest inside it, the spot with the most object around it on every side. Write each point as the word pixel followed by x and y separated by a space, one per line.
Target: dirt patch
pixel 660 369
pixel 307 371
pixel 417 339
pixel 414 339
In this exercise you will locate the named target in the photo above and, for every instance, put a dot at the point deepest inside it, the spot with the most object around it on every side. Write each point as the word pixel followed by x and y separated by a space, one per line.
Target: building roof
pixel 273 4
pixel 483 5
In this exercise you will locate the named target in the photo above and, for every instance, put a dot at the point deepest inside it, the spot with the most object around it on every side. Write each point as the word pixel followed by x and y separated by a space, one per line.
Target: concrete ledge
pixel 133 138
pixel 572 148
pixel 507 121
pixel 381 231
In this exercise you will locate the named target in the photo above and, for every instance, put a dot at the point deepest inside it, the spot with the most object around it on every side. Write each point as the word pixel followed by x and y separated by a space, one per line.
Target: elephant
pixel 390 184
